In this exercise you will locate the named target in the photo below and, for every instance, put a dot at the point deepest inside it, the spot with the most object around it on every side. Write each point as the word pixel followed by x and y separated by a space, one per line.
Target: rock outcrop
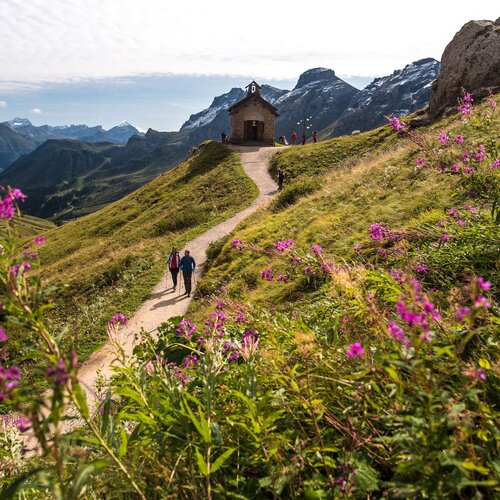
pixel 471 61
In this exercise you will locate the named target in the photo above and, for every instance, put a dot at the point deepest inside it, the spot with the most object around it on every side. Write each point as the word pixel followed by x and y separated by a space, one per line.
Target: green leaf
pixel 81 399
pixel 468 465
pixel 202 465
pixel 80 480
pixel 222 458
pixel 122 449
pixel 10 491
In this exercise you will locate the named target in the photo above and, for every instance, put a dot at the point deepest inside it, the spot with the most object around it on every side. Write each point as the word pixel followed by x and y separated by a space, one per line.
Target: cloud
pixel 35 111
pixel 78 40
pixel 3 104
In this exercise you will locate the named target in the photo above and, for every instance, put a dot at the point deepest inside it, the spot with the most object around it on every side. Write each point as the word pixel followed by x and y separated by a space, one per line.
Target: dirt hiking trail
pixel 163 303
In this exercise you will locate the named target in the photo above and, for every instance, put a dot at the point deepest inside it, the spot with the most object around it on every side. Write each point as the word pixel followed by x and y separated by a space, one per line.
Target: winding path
pixel 164 303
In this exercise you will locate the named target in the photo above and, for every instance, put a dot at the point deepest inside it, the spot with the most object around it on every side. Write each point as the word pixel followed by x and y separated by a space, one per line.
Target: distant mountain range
pixel 79 168
pixel 36 135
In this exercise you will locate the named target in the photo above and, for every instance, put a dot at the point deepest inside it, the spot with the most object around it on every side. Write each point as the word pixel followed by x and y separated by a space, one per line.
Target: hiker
pixel 224 137
pixel 315 136
pixel 281 178
pixel 173 265
pixel 187 265
pixel 294 138
pixel 303 139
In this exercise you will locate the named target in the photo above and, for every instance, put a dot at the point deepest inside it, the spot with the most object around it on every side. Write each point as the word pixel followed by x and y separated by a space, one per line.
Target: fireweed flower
pixel 420 162
pixel 23 424
pixel 240 318
pixel 316 249
pixel 378 231
pixel 3 336
pixel 452 212
pixel 483 284
pixel 39 240
pixel 395 330
pixel 16 194
pixel 481 302
pixel 238 245
pixel 7 209
pixel 445 237
pixel 455 168
pixel 282 246
pixel 308 271
pixel 397 125
pixel 495 163
pixel 185 329
pixel 462 313
pixel 421 268
pixel 118 319
pixel 249 344
pixel 459 139
pixel 283 278
pixel 443 137
pixel 354 350
pixel 461 222
pixel 382 252
pixel 396 274
pixel 267 274
pixel 58 373
pixel 189 361
pixel 480 155
pixel 358 247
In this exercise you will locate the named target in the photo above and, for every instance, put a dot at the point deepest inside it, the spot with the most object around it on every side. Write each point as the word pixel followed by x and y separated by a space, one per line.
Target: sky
pixel 154 62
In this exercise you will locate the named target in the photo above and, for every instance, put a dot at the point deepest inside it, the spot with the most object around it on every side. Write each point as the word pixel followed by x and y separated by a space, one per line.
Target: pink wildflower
pixel 316 249
pixel 39 240
pixel 382 252
pixel 282 246
pixel 459 139
pixel 443 137
pixel 354 350
pixel 445 237
pixel 3 336
pixel 118 318
pixel 185 328
pixel 481 302
pixel 395 330
pixel 397 125
pixel 421 268
pixel 7 209
pixel 480 155
pixel 455 168
pixel 462 313
pixel 238 244
pixel 495 163
pixel 358 247
pixel 267 274
pixel 378 231
pixel 452 212
pixel 483 284
pixel 420 162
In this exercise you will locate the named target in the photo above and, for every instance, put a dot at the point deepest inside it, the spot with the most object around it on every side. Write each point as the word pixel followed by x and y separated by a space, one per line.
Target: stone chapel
pixel 252 119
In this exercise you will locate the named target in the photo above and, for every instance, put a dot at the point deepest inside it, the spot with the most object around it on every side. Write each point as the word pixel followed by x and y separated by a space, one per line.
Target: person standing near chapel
pixel 174 260
pixel 187 265
pixel 294 138
pixel 315 136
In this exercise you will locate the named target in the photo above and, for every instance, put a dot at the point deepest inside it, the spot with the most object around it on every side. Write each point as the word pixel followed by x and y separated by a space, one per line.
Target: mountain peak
pixel 315 75
pixel 19 122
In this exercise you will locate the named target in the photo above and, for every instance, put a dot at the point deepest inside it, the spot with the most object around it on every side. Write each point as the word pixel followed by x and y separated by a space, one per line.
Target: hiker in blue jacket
pixel 187 265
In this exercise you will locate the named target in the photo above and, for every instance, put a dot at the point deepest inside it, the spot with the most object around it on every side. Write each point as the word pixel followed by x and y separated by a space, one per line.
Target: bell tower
pixel 253 88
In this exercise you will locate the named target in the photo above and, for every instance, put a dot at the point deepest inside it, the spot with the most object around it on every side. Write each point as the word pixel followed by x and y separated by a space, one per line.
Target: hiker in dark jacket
pixel 174 260
pixel 187 266
pixel 281 178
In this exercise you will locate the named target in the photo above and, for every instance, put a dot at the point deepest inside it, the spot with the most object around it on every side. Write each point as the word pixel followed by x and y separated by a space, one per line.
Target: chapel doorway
pixel 254 130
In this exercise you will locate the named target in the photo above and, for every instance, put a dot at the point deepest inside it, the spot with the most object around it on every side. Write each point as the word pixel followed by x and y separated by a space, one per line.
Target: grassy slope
pixel 29 226
pixel 110 260
pixel 359 180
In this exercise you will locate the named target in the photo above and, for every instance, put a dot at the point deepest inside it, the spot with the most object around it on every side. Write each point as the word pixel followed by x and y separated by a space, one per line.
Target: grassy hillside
pixel 109 260
pixel 334 190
